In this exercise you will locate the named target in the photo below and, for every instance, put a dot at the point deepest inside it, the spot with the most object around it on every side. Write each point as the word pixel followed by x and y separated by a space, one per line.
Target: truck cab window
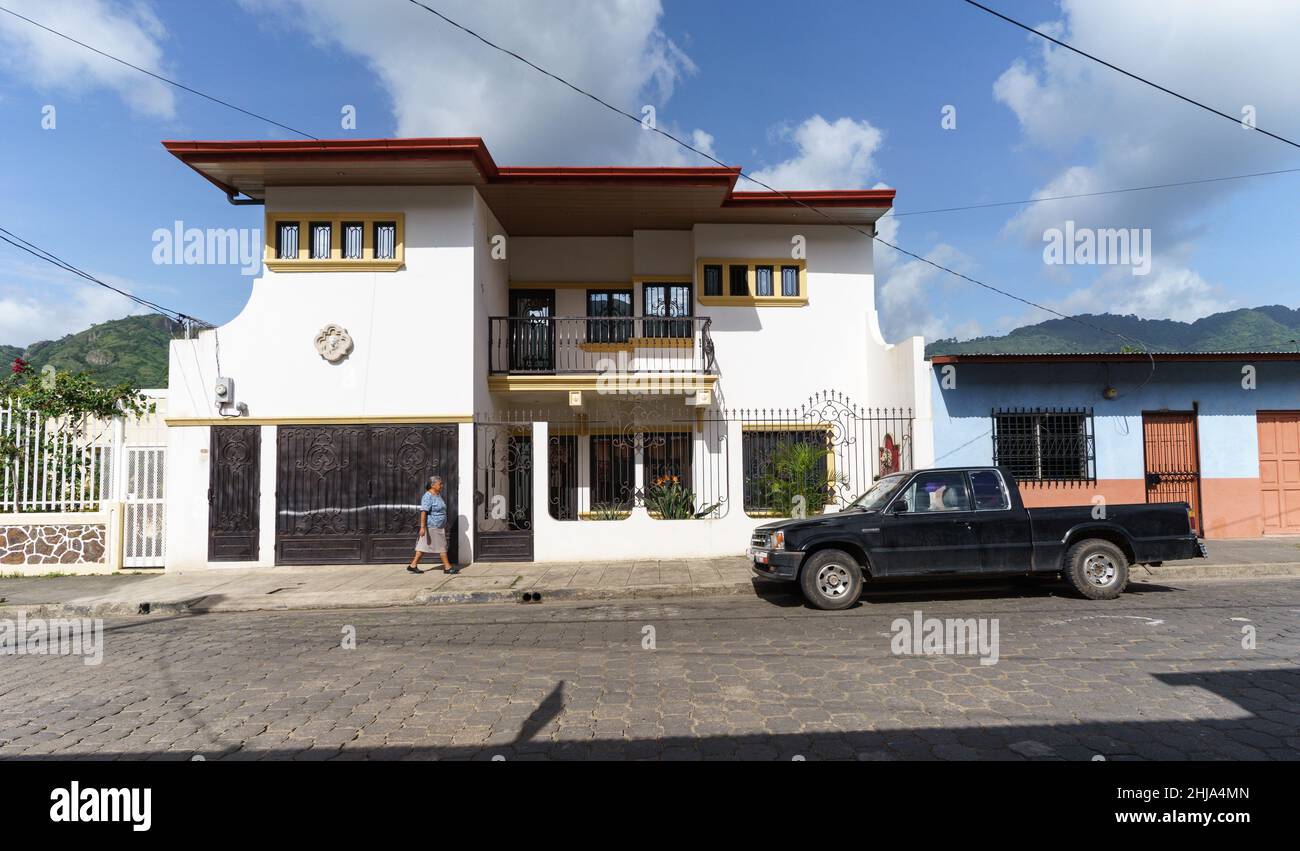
pixel 988 490
pixel 934 492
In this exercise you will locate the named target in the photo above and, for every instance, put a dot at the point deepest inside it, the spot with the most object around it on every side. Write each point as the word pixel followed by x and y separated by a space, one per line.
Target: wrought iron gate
pixel 350 494
pixel 143 506
pixel 233 491
pixel 503 491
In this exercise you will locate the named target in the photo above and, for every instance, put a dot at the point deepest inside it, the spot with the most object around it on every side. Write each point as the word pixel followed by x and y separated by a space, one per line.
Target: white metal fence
pixel 54 471
pixel 123 460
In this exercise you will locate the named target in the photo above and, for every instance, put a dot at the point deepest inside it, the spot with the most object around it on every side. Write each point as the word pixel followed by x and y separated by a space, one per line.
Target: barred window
pixel 1045 444
pixel 785 464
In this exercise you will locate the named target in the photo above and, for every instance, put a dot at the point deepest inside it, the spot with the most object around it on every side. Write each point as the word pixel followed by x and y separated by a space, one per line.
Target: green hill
pixel 1272 328
pixel 132 350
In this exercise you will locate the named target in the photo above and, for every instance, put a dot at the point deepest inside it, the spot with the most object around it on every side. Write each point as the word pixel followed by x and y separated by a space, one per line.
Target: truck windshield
pixel 878 494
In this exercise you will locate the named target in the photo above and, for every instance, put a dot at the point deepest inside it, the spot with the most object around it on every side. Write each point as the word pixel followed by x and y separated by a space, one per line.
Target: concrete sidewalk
pixel 371 586
pixel 376 586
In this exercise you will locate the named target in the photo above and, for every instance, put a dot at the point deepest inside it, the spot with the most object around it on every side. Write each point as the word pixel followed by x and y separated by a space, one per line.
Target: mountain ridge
pixel 1268 328
pixel 130 350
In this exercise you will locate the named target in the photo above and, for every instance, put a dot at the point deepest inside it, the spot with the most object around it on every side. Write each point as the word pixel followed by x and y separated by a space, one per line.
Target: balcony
pixel 558 346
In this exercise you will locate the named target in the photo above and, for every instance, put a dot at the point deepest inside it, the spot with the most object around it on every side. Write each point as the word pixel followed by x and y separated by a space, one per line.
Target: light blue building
pixel 1220 431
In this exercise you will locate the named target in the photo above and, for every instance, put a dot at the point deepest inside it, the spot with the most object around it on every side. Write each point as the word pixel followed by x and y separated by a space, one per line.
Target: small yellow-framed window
pixel 335 242
pixel 757 282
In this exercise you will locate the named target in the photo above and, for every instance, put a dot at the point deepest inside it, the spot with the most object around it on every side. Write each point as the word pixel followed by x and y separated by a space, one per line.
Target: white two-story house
pixel 601 363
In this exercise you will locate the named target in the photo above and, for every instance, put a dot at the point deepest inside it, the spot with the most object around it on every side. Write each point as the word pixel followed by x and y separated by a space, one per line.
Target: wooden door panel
pixel 1173 469
pixel 1279 471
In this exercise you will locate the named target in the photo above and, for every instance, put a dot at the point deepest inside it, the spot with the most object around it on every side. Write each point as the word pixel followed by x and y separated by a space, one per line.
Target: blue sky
pixel 827 94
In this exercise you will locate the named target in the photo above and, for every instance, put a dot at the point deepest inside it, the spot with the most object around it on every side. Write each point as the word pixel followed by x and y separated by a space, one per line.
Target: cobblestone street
pixel 1161 673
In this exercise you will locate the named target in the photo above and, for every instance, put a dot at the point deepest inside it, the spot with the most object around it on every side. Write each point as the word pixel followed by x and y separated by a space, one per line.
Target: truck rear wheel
pixel 1097 569
pixel 831 579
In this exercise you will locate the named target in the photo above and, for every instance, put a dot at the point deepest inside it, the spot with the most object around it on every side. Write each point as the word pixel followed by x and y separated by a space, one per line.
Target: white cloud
pixel 129 30
pixel 442 82
pixel 830 155
pixel 1171 292
pixel 1115 132
pixel 911 297
pixel 38 302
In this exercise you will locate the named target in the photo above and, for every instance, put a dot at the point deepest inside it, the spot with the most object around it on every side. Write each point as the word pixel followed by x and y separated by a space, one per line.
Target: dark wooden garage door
pixel 350 494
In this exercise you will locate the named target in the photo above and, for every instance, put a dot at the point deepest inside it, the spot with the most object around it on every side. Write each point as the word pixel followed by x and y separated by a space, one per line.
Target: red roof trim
pixel 295 150
pixel 1117 357
pixel 620 175
pixel 817 198
pixel 473 148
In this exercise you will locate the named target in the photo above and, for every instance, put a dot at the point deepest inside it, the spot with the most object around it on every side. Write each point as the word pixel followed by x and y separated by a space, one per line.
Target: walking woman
pixel 433 528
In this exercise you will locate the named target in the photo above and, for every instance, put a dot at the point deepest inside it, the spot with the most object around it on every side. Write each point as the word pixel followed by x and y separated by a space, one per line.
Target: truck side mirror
pixel 899 507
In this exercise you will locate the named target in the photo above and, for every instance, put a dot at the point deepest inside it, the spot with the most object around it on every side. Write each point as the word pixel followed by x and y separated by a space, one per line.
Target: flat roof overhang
pixel 528 200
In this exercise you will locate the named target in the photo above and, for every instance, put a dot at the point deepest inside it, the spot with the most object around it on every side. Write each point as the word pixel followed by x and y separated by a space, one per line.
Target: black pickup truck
pixel 966 522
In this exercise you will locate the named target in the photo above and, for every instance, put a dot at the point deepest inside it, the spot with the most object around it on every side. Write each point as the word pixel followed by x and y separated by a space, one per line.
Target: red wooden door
pixel 1279 471
pixel 1173 468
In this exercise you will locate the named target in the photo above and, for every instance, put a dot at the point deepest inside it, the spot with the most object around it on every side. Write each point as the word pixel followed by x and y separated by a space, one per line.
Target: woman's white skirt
pixel 434 542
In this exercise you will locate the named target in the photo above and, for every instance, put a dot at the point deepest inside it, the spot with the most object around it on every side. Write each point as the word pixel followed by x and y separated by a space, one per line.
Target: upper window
pixel 320 240
pixel 334 242
pixel 713 279
pixel 286 241
pixel 353 239
pixel 667 300
pixel 605 312
pixel 776 283
pixel 1045 445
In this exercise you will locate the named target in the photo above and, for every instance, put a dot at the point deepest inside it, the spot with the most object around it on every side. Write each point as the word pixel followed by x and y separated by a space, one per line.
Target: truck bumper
pixel 775 564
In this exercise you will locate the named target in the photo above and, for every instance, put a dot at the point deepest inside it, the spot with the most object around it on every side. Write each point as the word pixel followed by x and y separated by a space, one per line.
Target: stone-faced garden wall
pixel 82 543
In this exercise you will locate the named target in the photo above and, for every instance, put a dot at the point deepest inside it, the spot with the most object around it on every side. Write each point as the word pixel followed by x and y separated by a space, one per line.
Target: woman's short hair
pixel 433 480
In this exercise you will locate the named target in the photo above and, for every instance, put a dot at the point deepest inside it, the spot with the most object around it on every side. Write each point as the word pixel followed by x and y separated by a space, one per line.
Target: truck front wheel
pixel 1097 569
pixel 831 579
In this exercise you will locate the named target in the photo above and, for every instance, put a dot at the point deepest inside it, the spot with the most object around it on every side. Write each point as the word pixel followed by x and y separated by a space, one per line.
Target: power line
pixel 18 242
pixel 159 77
pixel 1175 184
pixel 1233 118
pixel 788 197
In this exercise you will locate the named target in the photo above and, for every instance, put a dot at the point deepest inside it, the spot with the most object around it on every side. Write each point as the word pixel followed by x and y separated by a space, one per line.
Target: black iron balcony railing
pixel 564 345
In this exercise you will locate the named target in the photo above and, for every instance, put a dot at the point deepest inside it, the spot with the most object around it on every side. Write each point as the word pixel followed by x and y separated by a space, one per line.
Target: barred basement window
pixel 1045 444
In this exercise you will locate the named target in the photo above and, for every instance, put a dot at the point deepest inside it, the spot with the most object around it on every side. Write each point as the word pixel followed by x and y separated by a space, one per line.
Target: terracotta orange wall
pixel 1233 508
pixel 1230 508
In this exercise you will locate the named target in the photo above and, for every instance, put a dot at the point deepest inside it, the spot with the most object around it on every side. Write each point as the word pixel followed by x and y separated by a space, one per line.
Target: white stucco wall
pixel 404 324
pixel 421 351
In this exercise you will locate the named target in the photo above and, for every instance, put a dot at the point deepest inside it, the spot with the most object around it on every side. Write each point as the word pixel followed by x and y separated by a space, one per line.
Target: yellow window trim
pixel 752 299
pixel 336 261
